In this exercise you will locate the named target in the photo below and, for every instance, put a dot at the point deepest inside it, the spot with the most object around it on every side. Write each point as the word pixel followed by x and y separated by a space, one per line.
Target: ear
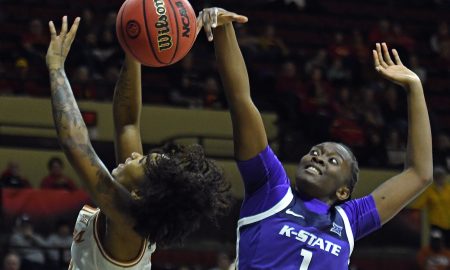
pixel 343 193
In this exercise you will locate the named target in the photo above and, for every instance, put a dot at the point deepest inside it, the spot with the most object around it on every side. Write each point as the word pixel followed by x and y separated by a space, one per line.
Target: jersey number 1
pixel 307 256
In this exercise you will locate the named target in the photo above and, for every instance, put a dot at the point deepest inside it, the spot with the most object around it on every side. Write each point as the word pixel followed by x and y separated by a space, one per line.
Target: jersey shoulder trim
pixel 283 203
pixel 348 228
pixel 90 209
pixel 112 260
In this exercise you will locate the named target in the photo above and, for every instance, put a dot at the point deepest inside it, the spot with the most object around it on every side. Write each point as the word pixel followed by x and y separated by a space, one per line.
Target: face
pixel 324 172
pixel 36 27
pixel 12 262
pixel 64 230
pixel 56 168
pixel 132 172
pixel 289 69
pixel 14 168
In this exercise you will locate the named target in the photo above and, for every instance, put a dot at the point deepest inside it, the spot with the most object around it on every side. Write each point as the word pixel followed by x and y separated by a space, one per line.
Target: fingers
pixel 214 17
pixel 233 17
pixel 74 28
pixel 64 26
pixel 380 56
pixel 199 23
pixel 207 25
pixel 51 26
pixel 397 57
pixel 378 67
pixel 386 55
pixel 376 60
pixel 239 18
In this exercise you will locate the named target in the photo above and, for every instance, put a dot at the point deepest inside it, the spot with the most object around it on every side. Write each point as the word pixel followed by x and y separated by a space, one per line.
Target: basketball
pixel 156 33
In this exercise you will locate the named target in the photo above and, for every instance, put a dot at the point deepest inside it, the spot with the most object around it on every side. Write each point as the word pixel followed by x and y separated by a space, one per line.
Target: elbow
pixel 426 178
pixel 423 175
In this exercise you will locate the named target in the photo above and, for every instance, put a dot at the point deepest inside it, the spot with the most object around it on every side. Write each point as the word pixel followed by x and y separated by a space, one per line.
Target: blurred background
pixel 312 77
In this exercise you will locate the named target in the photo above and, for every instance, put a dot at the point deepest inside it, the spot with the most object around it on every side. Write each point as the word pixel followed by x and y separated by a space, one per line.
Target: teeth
pixel 312 169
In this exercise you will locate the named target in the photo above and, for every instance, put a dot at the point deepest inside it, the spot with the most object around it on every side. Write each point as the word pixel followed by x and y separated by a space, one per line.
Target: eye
pixel 333 161
pixel 142 160
pixel 314 153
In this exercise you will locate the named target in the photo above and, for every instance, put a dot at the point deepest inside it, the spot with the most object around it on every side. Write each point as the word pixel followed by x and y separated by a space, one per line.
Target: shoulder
pixel 360 208
pixel 87 214
pixel 266 153
pixel 366 201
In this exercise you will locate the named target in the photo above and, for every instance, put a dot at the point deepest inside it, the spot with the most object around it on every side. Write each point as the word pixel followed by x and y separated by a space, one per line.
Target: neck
pixel 327 200
pixel 317 205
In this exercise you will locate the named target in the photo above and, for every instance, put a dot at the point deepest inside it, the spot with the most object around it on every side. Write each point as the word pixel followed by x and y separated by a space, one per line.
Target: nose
pixel 318 160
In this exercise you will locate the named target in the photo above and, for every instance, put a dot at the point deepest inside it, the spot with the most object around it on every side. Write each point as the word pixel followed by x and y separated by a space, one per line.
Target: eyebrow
pixel 321 148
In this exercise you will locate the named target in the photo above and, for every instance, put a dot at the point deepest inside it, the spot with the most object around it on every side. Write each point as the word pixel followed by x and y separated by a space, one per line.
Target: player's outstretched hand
pixel 210 18
pixel 60 44
pixel 393 71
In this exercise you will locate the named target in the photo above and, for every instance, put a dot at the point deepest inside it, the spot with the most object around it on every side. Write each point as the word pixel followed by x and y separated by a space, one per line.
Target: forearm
pixel 231 64
pixel 419 150
pixel 127 95
pixel 248 128
pixel 69 123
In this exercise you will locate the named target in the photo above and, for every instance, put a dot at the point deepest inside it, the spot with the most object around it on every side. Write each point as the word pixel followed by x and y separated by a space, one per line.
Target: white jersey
pixel 88 253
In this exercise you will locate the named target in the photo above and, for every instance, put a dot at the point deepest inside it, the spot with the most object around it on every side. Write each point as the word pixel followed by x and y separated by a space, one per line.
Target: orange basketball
pixel 156 32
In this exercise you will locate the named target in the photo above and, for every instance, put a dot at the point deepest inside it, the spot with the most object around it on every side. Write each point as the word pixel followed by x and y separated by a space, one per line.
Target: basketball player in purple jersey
pixel 313 225
pixel 151 199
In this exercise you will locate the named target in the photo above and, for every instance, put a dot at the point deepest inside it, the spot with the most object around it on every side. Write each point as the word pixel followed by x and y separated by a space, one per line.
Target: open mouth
pixel 116 170
pixel 313 170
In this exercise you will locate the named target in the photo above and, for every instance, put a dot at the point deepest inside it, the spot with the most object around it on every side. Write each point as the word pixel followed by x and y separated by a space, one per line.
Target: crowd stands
pixel 318 79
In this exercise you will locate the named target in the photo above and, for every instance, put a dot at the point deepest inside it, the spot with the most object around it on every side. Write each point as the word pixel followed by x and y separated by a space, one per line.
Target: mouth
pixel 313 170
pixel 114 171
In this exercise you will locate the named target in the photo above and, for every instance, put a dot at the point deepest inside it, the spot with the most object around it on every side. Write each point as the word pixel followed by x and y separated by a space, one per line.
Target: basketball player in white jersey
pixel 151 199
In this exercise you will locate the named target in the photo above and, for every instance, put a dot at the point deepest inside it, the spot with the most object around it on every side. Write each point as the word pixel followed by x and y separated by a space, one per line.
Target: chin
pixel 308 185
pixel 304 177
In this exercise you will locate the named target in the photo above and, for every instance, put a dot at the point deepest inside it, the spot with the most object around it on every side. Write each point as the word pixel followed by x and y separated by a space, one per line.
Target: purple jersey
pixel 278 229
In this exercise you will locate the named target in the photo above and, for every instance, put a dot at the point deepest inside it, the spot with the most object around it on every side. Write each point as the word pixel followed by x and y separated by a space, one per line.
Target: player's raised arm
pixel 248 130
pixel 127 104
pixel 398 191
pixel 72 131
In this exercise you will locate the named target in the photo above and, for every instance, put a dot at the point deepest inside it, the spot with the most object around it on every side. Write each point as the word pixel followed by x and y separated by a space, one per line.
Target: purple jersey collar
pixel 314 205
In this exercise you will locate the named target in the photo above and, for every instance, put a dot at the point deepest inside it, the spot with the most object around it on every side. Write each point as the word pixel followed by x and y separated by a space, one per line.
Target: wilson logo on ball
pixel 164 39
pixel 133 29
pixel 184 19
pixel 156 33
